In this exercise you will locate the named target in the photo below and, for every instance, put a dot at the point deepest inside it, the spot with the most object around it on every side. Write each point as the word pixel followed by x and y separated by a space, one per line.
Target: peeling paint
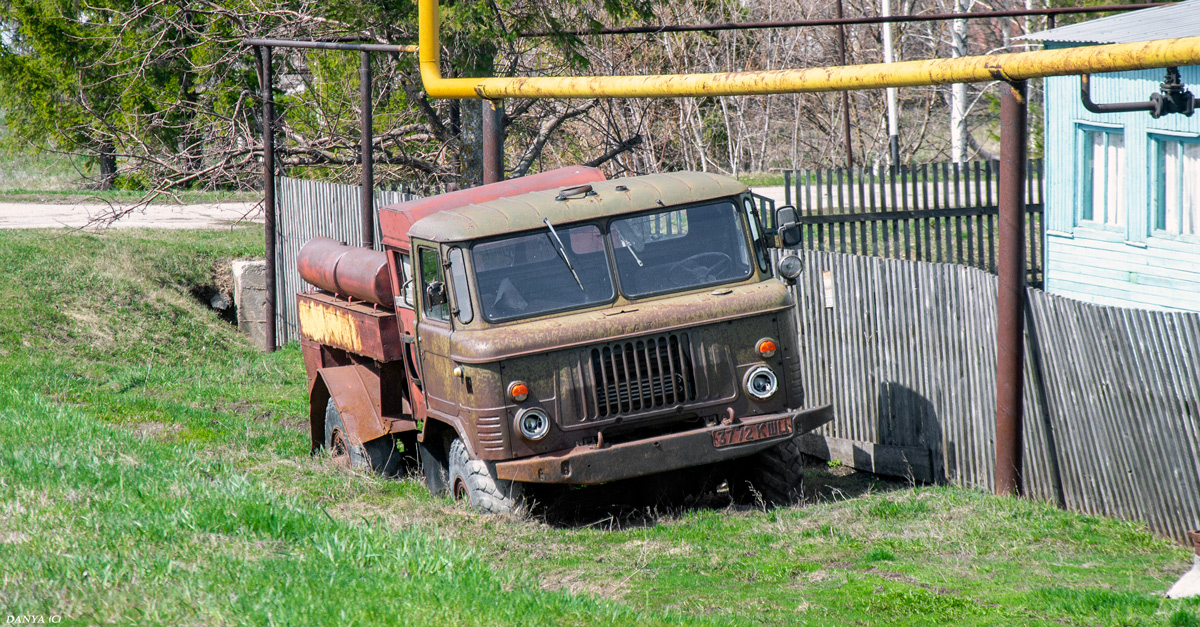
pixel 331 326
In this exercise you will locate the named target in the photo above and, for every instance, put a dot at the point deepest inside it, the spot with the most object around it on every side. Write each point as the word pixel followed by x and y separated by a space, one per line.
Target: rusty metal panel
pixel 600 463
pixel 597 200
pixel 355 392
pixel 347 271
pixel 577 330
pixel 396 220
pixel 354 327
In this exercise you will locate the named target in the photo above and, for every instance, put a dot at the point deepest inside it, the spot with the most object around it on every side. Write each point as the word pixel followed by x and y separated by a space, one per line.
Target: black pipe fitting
pixel 1172 98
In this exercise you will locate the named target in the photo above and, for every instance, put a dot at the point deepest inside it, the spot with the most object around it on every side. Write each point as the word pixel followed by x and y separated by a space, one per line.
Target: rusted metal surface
pixel 366 140
pixel 268 103
pixel 659 369
pixel 527 211
pixel 839 21
pixel 396 220
pixel 346 271
pixel 355 327
pixel 591 465
pixel 705 364
pixel 493 142
pixel 620 321
pixel 1010 297
pixel 355 392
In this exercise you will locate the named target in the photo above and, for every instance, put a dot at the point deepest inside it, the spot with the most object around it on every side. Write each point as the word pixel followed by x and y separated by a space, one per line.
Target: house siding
pixel 1129 266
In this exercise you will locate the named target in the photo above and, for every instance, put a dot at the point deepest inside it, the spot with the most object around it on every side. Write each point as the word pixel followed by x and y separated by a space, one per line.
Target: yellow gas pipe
pixel 1011 67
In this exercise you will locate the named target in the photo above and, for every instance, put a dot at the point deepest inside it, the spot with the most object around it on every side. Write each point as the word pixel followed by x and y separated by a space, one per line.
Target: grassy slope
pixel 152 470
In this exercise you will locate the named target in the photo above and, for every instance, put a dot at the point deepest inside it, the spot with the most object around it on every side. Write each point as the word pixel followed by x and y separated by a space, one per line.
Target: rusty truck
pixel 561 328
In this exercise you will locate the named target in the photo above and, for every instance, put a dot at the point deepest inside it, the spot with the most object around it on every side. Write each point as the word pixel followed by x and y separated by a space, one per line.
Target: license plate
pixel 741 434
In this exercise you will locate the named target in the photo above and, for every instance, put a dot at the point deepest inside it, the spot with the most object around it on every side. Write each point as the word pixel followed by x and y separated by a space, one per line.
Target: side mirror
pixel 435 293
pixel 787 224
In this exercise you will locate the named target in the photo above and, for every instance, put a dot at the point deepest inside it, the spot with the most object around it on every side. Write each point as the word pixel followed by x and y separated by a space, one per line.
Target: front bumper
pixel 590 465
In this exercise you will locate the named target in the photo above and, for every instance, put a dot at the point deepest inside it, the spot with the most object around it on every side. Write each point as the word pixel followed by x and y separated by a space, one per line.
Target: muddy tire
pixel 379 455
pixel 774 477
pixel 434 467
pixel 476 481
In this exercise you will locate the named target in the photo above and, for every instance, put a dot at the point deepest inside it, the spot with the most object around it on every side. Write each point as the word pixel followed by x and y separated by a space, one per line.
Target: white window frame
pixel 1114 186
pixel 1181 224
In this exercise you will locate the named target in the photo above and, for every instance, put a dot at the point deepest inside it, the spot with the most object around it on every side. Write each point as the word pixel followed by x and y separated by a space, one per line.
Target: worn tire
pixel 476 481
pixel 776 476
pixel 434 467
pixel 378 455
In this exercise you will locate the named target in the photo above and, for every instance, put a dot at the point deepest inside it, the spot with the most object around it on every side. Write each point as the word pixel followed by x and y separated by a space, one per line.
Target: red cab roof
pixel 395 220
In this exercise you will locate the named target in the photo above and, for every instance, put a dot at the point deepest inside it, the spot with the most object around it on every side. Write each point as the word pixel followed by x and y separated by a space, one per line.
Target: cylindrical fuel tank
pixel 361 273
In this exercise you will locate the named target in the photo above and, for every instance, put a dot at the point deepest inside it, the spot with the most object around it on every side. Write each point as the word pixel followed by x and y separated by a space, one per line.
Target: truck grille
pixel 643 374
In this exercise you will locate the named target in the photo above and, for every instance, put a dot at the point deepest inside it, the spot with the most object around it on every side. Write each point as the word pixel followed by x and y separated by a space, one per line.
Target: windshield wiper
pixel 562 252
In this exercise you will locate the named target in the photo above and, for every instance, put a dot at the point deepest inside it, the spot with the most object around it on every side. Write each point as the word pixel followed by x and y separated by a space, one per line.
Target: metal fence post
pixel 368 159
pixel 268 191
pixel 493 142
pixel 1010 297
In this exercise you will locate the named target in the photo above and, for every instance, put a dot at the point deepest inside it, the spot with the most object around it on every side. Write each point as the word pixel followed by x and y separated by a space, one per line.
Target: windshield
pixel 526 275
pixel 679 249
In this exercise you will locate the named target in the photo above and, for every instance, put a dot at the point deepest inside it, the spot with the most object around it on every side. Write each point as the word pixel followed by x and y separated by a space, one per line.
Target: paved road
pixel 21 215
pixel 31 215
pixel 775 192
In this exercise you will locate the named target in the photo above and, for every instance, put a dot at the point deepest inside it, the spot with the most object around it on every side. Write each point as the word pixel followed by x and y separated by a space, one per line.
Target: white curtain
pixel 1170 177
pixel 1114 210
pixel 1096 162
pixel 1190 191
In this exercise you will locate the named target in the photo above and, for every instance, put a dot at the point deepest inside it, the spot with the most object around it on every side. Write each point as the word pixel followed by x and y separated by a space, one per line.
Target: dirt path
pixel 30 215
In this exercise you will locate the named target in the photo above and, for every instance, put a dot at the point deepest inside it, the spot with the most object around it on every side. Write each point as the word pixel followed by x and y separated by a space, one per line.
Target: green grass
pixel 31 175
pixel 762 179
pixel 154 469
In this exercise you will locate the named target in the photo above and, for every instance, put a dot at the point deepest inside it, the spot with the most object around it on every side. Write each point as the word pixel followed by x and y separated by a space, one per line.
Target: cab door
pixel 433 329
pixel 403 286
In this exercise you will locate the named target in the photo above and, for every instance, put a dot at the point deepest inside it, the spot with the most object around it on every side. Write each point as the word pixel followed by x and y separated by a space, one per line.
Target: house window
pixel 1103 195
pixel 1178 196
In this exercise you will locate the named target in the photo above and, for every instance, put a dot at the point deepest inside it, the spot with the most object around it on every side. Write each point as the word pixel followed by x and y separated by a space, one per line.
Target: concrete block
pixel 880 459
pixel 253 306
pixel 250 298
pixel 256 332
pixel 252 273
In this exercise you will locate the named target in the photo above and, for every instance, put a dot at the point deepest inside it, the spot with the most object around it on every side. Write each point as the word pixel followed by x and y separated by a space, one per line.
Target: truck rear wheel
pixel 475 480
pixel 776 476
pixel 378 455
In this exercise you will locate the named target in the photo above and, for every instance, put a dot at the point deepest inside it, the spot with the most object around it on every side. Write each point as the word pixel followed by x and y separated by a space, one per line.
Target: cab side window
pixel 404 276
pixel 431 273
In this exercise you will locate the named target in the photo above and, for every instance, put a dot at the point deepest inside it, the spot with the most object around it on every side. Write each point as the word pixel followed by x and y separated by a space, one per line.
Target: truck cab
pixel 567 329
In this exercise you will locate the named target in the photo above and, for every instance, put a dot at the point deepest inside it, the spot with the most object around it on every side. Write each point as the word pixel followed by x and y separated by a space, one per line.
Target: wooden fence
pixel 905 351
pixel 941 212
pixel 308 209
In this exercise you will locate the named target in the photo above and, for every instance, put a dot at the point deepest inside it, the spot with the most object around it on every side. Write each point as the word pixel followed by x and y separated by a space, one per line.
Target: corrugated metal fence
pixel 943 212
pixel 906 353
pixel 308 209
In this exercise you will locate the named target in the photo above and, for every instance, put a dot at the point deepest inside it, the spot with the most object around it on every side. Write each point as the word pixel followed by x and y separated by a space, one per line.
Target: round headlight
pixel 761 383
pixel 533 423
pixel 790 267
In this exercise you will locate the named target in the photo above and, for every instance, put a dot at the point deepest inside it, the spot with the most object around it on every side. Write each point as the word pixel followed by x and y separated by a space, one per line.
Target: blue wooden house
pixel 1123 189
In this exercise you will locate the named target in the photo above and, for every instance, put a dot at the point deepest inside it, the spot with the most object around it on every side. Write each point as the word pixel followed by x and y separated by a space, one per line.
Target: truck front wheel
pixel 774 476
pixel 475 481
